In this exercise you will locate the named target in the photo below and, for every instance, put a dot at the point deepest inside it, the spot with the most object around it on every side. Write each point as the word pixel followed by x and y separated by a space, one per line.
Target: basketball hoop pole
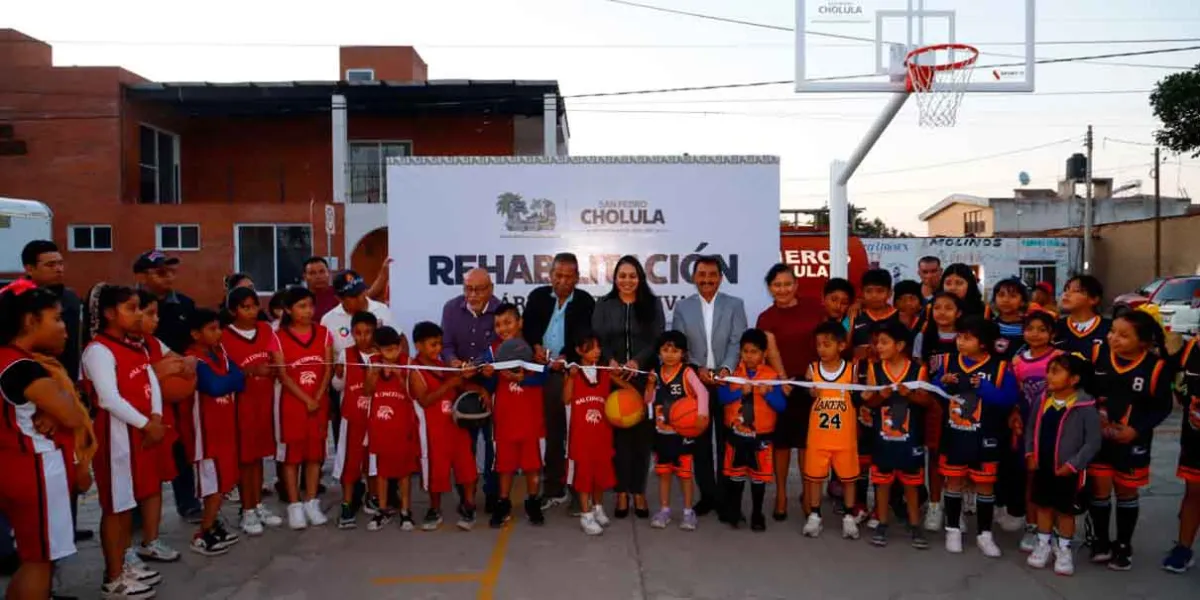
pixel 839 176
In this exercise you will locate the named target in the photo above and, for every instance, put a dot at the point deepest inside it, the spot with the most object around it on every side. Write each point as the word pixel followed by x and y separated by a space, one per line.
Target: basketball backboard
pixel 860 45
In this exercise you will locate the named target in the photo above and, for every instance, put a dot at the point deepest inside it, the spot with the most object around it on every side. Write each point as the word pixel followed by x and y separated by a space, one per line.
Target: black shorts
pixel 669 448
pixel 791 428
pixel 961 449
pixel 1061 493
pixel 1189 454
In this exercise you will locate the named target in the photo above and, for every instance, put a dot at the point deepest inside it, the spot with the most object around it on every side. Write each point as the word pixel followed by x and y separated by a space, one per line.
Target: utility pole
pixel 1157 216
pixel 1087 206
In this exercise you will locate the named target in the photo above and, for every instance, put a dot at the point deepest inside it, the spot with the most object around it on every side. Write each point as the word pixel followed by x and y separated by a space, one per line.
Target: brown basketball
pixel 177 388
pixel 686 419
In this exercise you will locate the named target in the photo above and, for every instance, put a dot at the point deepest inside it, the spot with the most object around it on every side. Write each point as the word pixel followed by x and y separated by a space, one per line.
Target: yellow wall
pixel 949 222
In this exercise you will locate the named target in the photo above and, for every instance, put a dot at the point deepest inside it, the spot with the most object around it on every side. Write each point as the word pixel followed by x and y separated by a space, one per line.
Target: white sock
pixel 1044 538
pixel 1064 543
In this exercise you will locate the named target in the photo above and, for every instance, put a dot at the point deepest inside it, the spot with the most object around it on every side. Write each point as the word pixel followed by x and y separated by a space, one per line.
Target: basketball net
pixel 938 81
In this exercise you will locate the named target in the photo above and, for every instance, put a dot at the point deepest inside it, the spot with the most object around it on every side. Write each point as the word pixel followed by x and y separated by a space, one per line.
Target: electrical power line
pixel 848 98
pixel 951 163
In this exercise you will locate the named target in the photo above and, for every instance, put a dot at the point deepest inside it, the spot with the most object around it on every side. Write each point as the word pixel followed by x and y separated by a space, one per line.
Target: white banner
pixel 1032 259
pixel 511 215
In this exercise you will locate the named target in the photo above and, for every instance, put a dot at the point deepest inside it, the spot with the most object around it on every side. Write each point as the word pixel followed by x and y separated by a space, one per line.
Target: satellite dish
pixel 1023 177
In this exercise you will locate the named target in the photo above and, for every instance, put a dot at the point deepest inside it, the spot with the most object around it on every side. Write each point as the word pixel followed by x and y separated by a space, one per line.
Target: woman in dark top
pixel 628 320
pixel 960 280
pixel 789 324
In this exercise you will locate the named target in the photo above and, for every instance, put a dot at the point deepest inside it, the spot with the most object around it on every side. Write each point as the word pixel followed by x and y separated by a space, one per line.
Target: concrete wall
pixel 1042 214
pixel 949 222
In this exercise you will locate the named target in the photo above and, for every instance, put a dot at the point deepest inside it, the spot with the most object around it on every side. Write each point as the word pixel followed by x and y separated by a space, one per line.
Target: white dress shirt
pixel 707 308
pixel 337 321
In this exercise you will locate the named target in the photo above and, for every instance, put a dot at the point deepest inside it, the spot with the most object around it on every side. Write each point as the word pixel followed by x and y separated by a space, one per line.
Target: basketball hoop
pixel 938 79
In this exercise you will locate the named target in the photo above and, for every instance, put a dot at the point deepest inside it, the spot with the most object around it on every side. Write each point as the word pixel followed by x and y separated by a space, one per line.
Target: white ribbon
pixel 844 387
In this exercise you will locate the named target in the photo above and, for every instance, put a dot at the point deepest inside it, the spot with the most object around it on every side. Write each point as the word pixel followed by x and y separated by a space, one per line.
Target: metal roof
pixel 511 97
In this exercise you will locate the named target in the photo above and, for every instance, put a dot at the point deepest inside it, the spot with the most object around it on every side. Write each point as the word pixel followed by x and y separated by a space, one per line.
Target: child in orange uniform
pixel 750 414
pixel 832 429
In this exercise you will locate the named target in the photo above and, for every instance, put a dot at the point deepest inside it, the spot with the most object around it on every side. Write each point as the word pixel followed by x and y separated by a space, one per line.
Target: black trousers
pixel 707 452
pixel 1011 481
pixel 631 461
pixel 554 473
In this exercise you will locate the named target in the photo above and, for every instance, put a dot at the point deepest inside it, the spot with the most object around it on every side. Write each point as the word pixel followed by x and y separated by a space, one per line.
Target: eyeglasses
pixel 476 289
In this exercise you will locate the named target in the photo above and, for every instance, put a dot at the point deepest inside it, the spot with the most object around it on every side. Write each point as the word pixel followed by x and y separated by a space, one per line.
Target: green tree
pixel 1176 102
pixel 511 206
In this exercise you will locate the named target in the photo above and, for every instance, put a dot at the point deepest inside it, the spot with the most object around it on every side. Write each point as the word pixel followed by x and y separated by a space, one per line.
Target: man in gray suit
pixel 713 323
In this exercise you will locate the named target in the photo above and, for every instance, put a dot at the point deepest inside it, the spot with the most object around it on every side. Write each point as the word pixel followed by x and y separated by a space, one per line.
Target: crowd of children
pixel 949 406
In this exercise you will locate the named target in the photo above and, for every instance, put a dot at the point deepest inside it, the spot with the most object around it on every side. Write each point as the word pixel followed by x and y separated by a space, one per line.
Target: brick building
pixel 239 176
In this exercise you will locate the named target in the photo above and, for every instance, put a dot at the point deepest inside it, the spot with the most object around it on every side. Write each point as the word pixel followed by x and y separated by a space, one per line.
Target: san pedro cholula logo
pixel 521 215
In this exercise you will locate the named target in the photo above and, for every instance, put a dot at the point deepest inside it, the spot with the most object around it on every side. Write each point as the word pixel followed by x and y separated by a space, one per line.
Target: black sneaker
pixel 224 535
pixel 466 517
pixel 880 536
pixel 209 544
pixel 919 541
pixel 370 504
pixel 381 519
pixel 1102 552
pixel 346 520
pixel 533 510
pixel 406 521
pixel 433 520
pixel 1122 558
pixel 758 522
pixel 500 513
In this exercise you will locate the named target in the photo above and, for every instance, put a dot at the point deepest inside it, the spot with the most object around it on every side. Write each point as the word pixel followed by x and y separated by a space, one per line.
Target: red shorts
pixel 913 477
pixel 1133 478
pixel 763 471
pixel 1188 474
pixel 164 456
pixel 446 456
pixel 393 465
pixel 520 455
pixel 593 475
pixel 125 472
pixel 978 473
pixel 301 433
pixel 256 428
pixel 35 496
pixel 217 475
pixel 351 459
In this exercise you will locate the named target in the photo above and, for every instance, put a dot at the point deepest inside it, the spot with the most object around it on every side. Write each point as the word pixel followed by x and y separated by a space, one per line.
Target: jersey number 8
pixel 828 421
pixel 1139 384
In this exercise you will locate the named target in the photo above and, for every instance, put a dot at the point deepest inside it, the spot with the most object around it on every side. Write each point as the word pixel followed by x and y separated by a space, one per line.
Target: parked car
pixel 1179 290
pixel 1183 317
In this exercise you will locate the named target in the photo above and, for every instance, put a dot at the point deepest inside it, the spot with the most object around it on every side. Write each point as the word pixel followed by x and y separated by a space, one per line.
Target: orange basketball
pixel 177 388
pixel 624 408
pixel 686 419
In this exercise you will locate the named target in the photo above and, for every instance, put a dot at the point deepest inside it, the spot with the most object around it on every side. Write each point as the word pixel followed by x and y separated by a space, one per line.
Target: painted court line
pixel 487 585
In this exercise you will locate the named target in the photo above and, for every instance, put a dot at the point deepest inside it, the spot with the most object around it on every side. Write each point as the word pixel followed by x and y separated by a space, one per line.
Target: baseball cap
pixel 348 283
pixel 514 349
pixel 1046 287
pixel 153 259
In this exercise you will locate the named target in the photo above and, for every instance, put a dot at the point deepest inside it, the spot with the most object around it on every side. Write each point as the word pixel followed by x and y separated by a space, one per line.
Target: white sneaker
pixel 267 517
pixel 126 588
pixel 1064 560
pixel 131 558
pixel 849 527
pixel 156 551
pixel 987 544
pixel 954 540
pixel 1008 522
pixel 1040 555
pixel 312 512
pixel 934 517
pixel 601 517
pixel 141 574
pixel 295 512
pixel 812 527
pixel 588 523
pixel 250 523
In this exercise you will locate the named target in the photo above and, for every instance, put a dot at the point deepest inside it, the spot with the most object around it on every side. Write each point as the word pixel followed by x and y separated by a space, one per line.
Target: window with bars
pixel 973 223
pixel 368 169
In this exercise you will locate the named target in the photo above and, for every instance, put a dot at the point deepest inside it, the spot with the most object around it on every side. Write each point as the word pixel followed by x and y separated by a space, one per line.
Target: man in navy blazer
pixel 713 323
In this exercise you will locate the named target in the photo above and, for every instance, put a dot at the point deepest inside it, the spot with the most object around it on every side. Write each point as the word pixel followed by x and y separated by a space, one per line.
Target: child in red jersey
pixel 215 416
pixel 448 445
pixel 518 417
pixel 38 469
pixel 393 434
pixel 349 378
pixel 128 425
pixel 303 404
pixel 590 445
pixel 253 346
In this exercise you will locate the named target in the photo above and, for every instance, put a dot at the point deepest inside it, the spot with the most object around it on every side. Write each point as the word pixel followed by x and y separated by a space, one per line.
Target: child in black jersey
pixel 931 346
pixel 875 310
pixel 906 297
pixel 1181 557
pixel 1081 327
pixel 1010 298
pixel 1134 384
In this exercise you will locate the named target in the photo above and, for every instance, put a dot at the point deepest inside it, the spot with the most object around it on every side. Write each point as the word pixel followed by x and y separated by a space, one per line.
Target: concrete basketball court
pixel 631 561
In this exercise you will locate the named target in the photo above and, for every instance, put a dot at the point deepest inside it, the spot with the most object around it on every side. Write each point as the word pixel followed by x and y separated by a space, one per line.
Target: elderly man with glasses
pixel 468 328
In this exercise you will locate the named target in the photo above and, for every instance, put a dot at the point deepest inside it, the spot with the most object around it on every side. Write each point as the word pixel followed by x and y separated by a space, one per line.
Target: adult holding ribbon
pixel 789 324
pixel 628 321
